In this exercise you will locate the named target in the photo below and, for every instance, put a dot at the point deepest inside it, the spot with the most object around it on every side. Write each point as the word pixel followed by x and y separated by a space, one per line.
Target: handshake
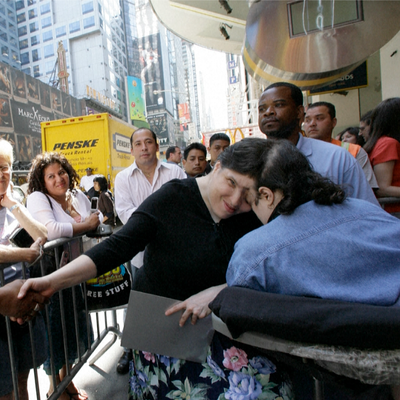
pixel 21 309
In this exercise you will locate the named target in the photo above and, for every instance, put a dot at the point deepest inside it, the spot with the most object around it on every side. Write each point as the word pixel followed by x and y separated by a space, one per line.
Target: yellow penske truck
pixel 98 141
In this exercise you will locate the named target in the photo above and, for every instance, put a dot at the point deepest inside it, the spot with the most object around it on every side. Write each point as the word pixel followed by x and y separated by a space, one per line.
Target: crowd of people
pixel 261 214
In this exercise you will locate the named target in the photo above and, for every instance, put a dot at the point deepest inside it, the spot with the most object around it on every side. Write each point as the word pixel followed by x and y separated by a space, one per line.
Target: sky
pixel 212 65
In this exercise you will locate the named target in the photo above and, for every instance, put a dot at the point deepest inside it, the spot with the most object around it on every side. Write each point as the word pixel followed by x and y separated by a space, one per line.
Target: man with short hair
pixel 194 159
pixel 134 184
pixel 218 143
pixel 319 122
pixel 280 112
pixel 173 155
pixel 87 181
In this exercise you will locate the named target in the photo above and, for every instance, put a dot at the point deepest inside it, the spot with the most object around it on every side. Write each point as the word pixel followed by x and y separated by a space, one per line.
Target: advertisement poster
pixel 152 72
pixel 159 125
pixel 184 116
pixel 136 97
pixel 25 102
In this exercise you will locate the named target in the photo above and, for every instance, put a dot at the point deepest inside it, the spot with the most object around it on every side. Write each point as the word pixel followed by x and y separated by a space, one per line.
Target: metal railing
pixel 104 322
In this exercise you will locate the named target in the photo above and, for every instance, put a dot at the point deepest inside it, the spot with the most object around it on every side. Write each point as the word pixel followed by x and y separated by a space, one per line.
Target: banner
pixel 136 99
pixel 152 71
pixel 184 116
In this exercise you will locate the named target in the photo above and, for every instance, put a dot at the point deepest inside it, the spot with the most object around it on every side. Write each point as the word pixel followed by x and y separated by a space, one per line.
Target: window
pixel 21 18
pixel 3 36
pixel 4 51
pixel 87 7
pixel 35 39
pixel 46 22
pixel 2 10
pixel 88 22
pixel 32 13
pixel 11 15
pixel 22 31
pixel 30 2
pixel 35 55
pixel 13 41
pixel 49 67
pixel 65 44
pixel 12 28
pixel 44 8
pixel 26 71
pixel 23 44
pixel 3 22
pixel 101 23
pixel 100 9
pixel 36 71
pixel 19 5
pixel 47 36
pixel 48 50
pixel 24 58
pixel 33 27
pixel 74 27
pixel 61 31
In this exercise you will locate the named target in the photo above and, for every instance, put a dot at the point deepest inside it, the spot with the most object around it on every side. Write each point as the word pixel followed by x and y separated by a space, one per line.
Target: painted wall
pixel 390 66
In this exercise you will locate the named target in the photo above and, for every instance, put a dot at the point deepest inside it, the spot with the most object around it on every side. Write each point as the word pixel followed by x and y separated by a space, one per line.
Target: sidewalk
pixel 101 381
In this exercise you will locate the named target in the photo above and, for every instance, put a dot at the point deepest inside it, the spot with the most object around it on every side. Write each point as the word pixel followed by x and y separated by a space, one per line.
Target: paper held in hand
pixel 148 329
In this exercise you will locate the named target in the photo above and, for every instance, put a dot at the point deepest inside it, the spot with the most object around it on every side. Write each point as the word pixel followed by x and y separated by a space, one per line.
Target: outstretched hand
pixel 24 308
pixel 196 306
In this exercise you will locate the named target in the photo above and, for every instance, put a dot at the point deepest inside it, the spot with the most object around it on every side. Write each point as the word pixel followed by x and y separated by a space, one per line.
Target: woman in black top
pixel 188 229
pixel 106 203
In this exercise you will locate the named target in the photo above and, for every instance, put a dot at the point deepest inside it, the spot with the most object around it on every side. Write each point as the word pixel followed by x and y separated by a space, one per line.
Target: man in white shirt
pixel 87 181
pixel 137 182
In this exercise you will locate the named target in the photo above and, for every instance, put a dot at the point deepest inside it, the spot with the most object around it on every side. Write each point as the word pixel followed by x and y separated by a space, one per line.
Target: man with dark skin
pixel 280 114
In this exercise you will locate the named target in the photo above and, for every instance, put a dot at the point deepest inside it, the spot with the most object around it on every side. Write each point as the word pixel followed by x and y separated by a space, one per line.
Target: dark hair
pixel 286 169
pixel 331 108
pixel 297 95
pixel 144 129
pixel 195 145
pixel 219 136
pixel 170 150
pixel 245 157
pixel 353 130
pixel 367 117
pixel 385 121
pixel 39 164
pixel 102 181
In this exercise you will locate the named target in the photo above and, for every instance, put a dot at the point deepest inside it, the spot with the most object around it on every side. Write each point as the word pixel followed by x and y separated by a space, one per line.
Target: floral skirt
pixel 231 371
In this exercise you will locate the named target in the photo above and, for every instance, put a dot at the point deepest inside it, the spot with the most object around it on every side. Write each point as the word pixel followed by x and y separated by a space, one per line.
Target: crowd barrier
pixel 102 322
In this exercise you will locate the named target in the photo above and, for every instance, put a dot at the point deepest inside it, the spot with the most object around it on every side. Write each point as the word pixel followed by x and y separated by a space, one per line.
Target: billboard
pixel 184 116
pixel 25 102
pixel 152 71
pixel 159 125
pixel 136 99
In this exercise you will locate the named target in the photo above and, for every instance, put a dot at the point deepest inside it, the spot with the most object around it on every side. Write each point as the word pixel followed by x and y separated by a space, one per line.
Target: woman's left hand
pixel 196 305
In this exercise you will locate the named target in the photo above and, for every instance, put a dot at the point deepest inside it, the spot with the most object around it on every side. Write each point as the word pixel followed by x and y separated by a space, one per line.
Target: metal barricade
pixel 99 324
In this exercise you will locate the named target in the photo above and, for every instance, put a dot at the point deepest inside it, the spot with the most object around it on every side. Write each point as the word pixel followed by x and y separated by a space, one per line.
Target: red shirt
pixel 387 149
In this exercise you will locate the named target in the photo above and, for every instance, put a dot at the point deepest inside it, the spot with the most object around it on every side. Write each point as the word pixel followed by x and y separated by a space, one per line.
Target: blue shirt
pixel 339 166
pixel 347 252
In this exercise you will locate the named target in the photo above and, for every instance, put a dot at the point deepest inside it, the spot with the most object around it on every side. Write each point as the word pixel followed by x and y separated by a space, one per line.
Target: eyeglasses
pixel 5 169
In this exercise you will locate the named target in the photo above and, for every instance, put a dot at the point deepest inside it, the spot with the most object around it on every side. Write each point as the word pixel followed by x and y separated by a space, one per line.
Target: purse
pixel 110 290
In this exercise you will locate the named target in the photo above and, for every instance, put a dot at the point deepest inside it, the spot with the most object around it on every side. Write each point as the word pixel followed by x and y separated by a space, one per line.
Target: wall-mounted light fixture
pixel 226 6
pixel 224 32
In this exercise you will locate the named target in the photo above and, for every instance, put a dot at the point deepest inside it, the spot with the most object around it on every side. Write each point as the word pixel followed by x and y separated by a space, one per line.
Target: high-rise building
pixel 105 42
pixel 9 50
pixel 93 36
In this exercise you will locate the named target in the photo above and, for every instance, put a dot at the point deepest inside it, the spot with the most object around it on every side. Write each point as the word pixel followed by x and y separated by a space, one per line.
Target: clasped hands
pixel 17 308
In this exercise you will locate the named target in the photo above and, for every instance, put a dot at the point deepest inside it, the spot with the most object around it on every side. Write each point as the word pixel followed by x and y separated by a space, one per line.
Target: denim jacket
pixel 348 252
